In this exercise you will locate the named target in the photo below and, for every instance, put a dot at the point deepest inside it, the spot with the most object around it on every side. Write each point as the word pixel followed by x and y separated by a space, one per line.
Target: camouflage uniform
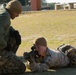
pixel 9 62
pixel 53 58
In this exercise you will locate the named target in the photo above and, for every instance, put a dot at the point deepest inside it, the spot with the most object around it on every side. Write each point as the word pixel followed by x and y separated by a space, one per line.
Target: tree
pixel 43 1
pixel 7 0
pixel 3 1
pixel 52 5
pixel 24 2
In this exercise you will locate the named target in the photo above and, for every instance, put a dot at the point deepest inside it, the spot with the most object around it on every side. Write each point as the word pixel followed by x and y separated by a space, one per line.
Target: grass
pixel 55 72
pixel 57 27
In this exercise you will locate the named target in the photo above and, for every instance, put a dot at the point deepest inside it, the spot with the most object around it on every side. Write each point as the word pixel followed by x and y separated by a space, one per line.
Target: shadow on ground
pixel 57 71
pixel 64 71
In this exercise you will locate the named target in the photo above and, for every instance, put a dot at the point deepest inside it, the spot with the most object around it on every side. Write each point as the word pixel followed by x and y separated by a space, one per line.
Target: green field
pixel 58 27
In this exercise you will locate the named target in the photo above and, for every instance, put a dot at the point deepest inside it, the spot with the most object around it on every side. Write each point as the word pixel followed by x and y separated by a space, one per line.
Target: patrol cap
pixel 41 41
pixel 14 6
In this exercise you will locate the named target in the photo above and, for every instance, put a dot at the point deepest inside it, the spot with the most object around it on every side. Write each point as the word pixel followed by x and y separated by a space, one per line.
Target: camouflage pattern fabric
pixel 4 27
pixel 72 57
pixel 53 58
pixel 10 63
pixel 70 51
pixel 14 40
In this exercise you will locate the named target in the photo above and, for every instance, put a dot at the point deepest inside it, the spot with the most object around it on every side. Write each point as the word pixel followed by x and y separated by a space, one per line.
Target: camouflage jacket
pixel 4 27
pixel 53 58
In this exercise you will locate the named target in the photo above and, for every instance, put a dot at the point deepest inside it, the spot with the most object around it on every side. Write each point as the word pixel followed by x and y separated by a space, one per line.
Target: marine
pixel 10 39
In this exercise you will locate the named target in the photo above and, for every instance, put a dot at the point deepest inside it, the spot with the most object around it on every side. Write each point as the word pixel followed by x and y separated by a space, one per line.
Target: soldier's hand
pixel 28 57
pixel 31 59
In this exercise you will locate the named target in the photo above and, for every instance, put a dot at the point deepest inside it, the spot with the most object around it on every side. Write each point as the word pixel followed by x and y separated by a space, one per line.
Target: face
pixel 41 50
pixel 13 15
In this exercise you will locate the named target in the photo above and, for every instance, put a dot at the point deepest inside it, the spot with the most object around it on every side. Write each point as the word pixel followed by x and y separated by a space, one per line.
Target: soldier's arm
pixel 3 31
pixel 39 67
pixel 44 66
pixel 3 42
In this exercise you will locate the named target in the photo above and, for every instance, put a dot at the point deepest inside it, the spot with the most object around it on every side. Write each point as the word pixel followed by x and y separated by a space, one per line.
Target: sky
pixel 61 1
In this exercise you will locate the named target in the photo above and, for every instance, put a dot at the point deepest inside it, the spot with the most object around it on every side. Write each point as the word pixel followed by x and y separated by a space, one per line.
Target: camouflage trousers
pixel 10 63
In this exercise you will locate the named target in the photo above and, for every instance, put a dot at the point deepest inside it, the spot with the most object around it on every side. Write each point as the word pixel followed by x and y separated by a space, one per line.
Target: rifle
pixel 32 53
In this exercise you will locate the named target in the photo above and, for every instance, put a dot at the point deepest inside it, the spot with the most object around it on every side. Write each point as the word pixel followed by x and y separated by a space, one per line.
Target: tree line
pixel 23 2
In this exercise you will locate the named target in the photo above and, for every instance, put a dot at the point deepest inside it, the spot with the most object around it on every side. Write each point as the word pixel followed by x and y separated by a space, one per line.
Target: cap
pixel 15 6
